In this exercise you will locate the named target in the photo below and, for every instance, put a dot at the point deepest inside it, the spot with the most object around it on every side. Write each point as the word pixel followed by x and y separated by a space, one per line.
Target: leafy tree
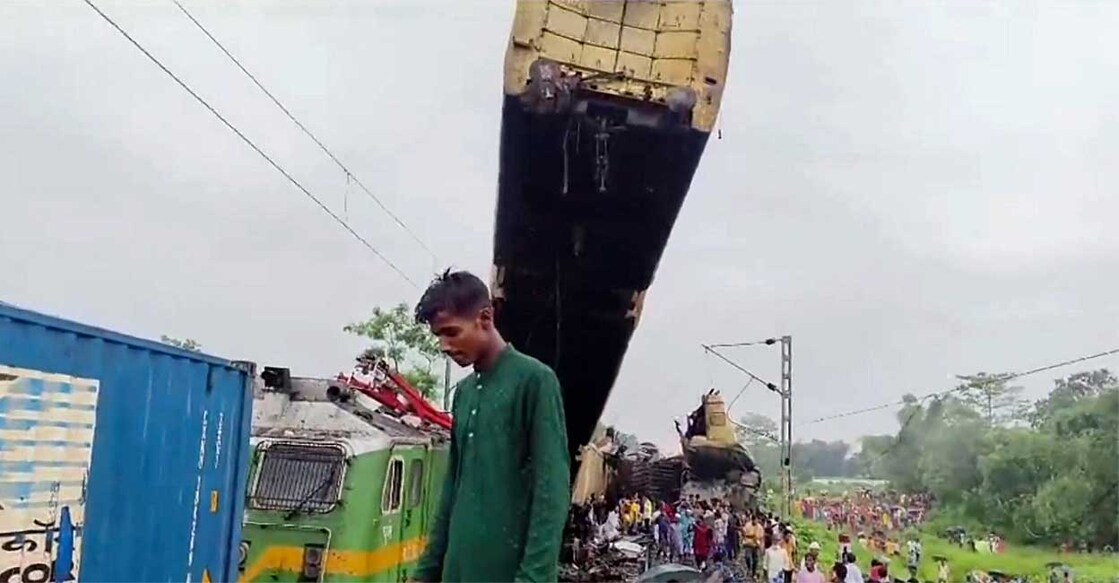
pixel 185 344
pixel 810 459
pixel 948 464
pixel 818 458
pixel 1068 391
pixel 867 462
pixel 991 396
pixel 756 431
pixel 900 460
pixel 1052 480
pixel 759 434
pixel 405 344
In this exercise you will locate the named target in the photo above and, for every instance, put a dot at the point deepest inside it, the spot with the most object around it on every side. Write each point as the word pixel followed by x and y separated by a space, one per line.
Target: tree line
pixel 1043 472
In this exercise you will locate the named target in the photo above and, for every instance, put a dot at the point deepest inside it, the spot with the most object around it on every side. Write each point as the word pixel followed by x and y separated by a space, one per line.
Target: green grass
pixel 1016 561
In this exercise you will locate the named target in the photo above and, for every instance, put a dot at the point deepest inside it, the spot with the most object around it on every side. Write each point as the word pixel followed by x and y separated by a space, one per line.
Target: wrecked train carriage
pixel 718 465
pixel 608 106
pixel 714 464
pixel 608 470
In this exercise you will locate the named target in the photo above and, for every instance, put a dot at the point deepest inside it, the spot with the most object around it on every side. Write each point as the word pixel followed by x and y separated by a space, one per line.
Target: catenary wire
pixel 996 378
pixel 992 379
pixel 252 144
pixel 742 369
pixel 349 175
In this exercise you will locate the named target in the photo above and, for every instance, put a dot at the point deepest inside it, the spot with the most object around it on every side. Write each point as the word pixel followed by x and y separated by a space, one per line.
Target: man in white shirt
pixel 854 575
pixel 776 562
pixel 914 559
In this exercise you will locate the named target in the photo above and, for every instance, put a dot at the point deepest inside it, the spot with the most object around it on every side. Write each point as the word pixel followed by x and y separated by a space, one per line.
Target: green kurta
pixel 507 490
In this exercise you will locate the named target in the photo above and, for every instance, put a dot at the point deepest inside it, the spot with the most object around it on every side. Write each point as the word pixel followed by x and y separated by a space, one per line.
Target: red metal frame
pixel 389 388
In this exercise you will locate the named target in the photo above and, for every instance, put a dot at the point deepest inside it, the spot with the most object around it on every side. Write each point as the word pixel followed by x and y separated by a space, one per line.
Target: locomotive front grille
pixel 298 477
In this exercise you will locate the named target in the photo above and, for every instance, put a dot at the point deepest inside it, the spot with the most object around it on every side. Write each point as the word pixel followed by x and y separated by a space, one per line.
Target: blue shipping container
pixel 120 458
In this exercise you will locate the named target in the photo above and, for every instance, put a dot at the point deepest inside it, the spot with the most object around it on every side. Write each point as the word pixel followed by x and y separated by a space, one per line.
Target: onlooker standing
pixel 813 551
pixel 878 572
pixel 734 529
pixel 663 528
pixel 943 571
pixel 777 563
pixel 753 536
pixel 703 543
pixel 854 574
pixel 677 539
pixel 720 528
pixel 508 467
pixel 810 573
pixel 790 544
pixel 914 557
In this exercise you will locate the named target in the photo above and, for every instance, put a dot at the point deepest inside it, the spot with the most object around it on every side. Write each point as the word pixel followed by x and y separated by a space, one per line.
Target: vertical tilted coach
pixel 608 106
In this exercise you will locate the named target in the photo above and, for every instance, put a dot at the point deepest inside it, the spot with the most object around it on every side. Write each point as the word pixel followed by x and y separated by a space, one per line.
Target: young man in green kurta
pixel 506 493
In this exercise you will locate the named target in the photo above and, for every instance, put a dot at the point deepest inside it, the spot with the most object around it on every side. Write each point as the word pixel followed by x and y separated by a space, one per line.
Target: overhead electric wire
pixel 739 394
pixel 769 341
pixel 291 116
pixel 767 384
pixel 251 144
pixel 997 378
pixel 856 412
pixel 992 379
pixel 753 431
pixel 1059 364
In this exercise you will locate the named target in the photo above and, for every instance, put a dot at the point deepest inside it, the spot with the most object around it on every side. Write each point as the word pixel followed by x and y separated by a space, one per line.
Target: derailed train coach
pixel 608 106
pixel 121 459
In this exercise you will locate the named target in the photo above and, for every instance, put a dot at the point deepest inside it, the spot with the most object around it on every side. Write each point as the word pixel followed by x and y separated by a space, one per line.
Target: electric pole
pixel 786 393
pixel 787 423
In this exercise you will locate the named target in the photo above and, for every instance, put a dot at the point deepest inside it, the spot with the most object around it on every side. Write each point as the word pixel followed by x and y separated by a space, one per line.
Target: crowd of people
pixel 866 511
pixel 877 522
pixel 712 535
pixel 756 545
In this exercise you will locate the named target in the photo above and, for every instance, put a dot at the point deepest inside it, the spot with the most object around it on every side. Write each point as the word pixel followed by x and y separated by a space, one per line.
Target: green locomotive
pixel 340 489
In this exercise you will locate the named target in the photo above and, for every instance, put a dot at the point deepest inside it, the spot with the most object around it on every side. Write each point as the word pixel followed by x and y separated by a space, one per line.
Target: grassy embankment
pixel 1016 561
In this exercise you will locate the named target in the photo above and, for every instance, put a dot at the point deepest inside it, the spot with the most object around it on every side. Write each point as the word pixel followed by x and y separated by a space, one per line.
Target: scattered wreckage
pixel 592 559
pixel 712 465
pixel 628 560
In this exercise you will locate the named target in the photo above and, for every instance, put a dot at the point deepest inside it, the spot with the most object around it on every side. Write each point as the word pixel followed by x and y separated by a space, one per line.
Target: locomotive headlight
pixel 242 554
pixel 680 99
pixel 312 562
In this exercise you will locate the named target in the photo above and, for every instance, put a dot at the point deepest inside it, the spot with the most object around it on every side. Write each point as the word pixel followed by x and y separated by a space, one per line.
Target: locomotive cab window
pixel 394 478
pixel 415 482
pixel 298 477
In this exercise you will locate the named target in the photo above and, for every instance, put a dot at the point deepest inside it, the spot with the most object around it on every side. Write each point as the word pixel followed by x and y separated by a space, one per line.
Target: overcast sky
pixel 911 190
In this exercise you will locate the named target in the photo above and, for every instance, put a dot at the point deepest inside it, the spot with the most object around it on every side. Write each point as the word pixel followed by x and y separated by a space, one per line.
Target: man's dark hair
pixel 840 572
pixel 459 293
